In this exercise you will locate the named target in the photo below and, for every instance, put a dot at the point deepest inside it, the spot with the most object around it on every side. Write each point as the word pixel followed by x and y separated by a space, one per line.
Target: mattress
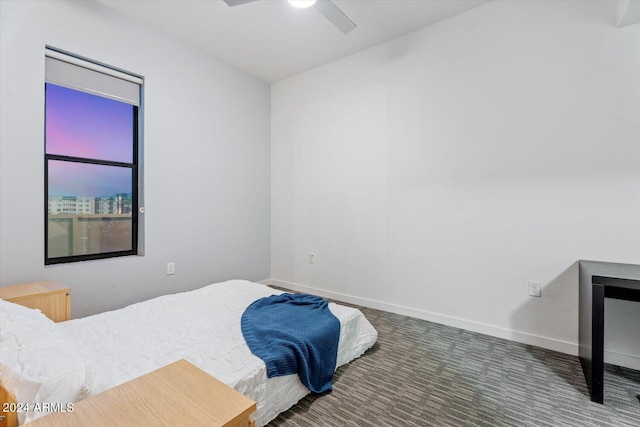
pixel 203 327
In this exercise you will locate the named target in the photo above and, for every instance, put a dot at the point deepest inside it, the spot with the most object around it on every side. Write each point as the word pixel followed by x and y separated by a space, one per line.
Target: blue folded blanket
pixel 294 333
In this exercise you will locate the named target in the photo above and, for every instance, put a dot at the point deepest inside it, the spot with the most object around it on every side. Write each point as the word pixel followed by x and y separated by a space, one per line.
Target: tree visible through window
pixel 91 172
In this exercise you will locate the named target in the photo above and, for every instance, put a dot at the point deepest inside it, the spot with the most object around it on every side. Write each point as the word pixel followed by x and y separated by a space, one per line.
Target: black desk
pixel 600 280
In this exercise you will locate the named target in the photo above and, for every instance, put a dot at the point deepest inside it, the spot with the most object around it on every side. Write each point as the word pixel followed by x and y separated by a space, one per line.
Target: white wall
pixel 435 174
pixel 206 157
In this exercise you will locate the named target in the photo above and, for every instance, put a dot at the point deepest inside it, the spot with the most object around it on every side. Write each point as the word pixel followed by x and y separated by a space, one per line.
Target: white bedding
pixel 203 327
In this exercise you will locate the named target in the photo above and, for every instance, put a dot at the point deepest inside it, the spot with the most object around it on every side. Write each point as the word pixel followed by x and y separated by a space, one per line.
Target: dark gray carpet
pixel 425 374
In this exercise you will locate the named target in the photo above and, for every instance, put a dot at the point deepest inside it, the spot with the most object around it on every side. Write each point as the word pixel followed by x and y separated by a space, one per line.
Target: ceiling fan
pixel 325 7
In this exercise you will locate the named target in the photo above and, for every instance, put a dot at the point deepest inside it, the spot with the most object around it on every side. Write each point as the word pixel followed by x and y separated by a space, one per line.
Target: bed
pixel 68 361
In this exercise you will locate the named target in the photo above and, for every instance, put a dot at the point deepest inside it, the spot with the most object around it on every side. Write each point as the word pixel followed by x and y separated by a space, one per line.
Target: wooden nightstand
pixel 177 395
pixel 50 297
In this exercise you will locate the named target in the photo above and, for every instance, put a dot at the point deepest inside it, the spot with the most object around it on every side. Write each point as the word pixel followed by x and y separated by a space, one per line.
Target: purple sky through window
pixel 87 180
pixel 80 124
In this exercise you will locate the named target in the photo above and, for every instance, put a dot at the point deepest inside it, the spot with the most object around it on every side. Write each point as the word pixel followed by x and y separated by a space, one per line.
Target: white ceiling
pixel 271 40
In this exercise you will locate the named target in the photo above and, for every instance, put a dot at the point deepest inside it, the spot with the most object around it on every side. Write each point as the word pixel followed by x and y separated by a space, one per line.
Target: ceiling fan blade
pixel 335 15
pixel 237 2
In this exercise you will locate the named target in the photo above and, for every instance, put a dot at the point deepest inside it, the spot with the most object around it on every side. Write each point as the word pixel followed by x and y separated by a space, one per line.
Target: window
pixel 92 146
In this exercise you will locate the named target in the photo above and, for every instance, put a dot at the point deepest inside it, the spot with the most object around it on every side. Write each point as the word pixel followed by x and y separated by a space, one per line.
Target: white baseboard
pixel 621 359
pixel 566 347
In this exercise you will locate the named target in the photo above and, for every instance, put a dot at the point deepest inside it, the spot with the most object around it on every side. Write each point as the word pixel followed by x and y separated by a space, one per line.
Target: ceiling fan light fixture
pixel 302 4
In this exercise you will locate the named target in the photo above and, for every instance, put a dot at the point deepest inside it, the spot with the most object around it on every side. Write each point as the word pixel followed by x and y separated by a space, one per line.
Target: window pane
pixel 60 235
pixel 80 124
pixel 89 209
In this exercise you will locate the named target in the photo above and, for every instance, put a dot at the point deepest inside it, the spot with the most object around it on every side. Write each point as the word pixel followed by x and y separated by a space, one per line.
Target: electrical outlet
pixel 534 288
pixel 171 268
pixel 312 258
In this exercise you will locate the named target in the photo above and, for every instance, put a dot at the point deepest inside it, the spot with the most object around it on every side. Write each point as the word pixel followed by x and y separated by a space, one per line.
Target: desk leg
pixel 597 344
